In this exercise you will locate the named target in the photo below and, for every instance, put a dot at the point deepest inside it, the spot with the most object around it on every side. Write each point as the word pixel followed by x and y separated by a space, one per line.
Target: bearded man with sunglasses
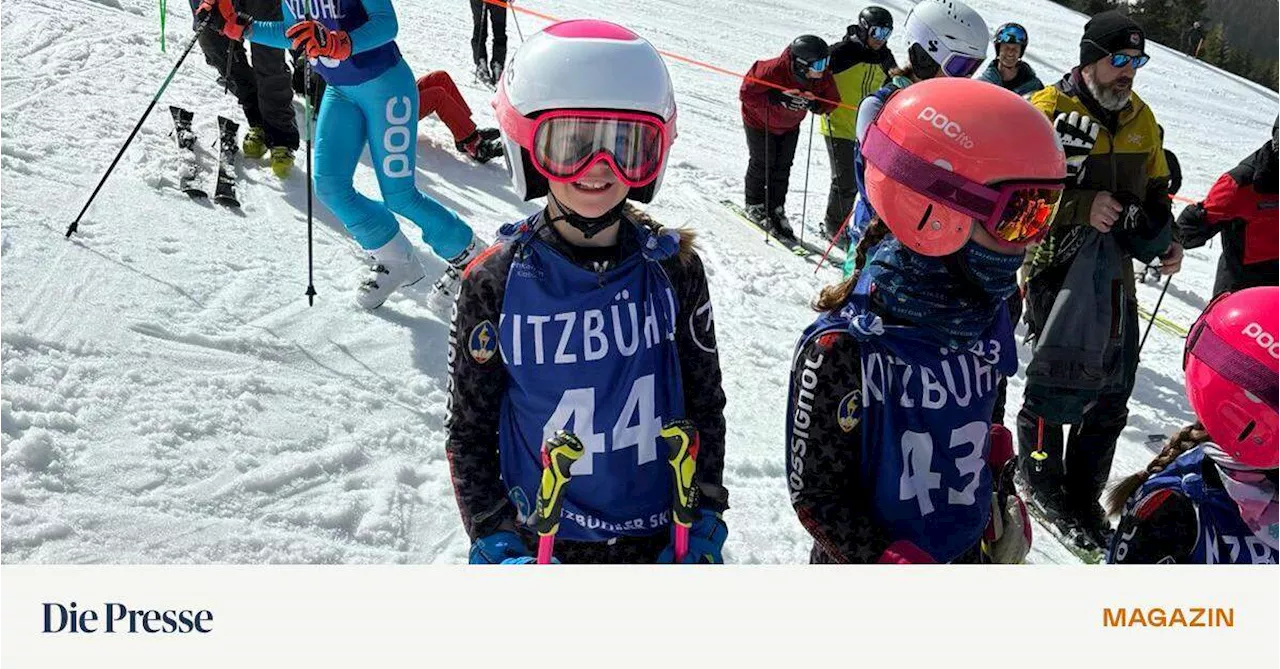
pixel 1080 288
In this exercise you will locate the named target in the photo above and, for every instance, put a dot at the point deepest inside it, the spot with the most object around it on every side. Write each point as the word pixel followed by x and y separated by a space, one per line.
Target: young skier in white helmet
pixel 587 316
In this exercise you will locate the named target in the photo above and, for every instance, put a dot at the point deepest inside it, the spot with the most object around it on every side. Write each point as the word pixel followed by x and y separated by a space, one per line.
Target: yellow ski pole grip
pixel 682 440
pixel 558 455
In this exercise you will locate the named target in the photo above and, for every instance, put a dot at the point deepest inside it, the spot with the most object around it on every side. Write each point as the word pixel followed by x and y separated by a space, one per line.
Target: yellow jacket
pixel 858 72
pixel 1127 158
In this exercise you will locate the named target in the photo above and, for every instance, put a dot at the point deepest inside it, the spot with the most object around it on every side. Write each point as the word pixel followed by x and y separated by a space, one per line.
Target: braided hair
pixel 1187 438
pixel 835 295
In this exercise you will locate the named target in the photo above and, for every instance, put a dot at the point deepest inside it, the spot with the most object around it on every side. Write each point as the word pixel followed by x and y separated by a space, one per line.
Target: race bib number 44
pixel 637 425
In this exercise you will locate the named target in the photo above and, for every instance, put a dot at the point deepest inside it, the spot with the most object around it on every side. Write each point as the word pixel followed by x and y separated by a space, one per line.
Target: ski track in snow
pixel 170 398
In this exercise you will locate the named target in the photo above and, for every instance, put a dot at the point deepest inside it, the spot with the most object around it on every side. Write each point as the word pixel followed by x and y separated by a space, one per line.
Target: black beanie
pixel 1108 33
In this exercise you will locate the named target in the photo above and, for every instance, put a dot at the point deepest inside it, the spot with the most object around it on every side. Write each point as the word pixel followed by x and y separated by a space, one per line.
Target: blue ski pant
pixel 381 113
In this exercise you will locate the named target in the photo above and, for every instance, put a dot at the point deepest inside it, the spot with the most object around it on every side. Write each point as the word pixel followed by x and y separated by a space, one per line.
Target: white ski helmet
pixel 946 35
pixel 583 64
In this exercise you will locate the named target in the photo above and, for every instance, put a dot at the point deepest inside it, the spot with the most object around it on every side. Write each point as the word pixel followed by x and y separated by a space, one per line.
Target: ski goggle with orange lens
pixel 565 144
pixel 1015 212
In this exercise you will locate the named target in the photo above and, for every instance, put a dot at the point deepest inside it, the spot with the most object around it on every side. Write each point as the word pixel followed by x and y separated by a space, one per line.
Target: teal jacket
pixel 1025 82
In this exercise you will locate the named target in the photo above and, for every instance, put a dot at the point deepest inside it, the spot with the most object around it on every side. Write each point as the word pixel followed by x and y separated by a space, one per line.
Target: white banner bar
pixel 438 616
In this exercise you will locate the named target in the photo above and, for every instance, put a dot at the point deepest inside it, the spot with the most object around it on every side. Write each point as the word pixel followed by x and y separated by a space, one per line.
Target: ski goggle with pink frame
pixel 1015 212
pixel 566 143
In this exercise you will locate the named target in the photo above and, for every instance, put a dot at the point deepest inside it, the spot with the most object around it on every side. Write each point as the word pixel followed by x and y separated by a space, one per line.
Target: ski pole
pixel 1038 455
pixel 515 20
pixel 804 199
pixel 1155 311
pixel 834 237
pixel 768 173
pixel 558 455
pixel 306 94
pixel 164 11
pixel 71 229
pixel 682 439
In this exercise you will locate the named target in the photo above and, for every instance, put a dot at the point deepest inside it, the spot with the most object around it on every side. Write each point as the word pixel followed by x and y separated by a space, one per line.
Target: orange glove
pixel 223 18
pixel 318 41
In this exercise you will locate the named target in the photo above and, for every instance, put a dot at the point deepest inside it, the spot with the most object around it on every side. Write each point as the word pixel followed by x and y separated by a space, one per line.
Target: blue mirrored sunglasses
pixel 881 33
pixel 819 65
pixel 1119 60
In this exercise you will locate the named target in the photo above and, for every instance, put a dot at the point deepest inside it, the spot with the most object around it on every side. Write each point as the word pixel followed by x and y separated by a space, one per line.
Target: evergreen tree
pixel 1092 7
pixel 1215 48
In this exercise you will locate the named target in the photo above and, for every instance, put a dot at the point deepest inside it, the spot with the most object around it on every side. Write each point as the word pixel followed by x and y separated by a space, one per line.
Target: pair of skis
pixel 809 251
pixel 224 190
pixel 563 449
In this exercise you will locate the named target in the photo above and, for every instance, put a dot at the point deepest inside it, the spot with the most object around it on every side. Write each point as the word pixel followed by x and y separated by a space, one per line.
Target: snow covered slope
pixel 168 396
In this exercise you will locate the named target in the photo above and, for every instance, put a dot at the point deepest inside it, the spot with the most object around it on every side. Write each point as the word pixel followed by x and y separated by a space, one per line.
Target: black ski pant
pixel 844 188
pixel 479 31
pixel 1080 473
pixel 767 181
pixel 300 81
pixel 262 88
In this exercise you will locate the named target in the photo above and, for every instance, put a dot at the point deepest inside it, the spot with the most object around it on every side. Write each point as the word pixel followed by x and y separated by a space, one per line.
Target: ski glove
pixel 1008 533
pixel 1134 215
pixel 1007 537
pixel 1077 133
pixel 527 559
pixel 221 17
pixel 318 41
pixel 903 551
pixel 498 548
pixel 706 541
pixel 792 102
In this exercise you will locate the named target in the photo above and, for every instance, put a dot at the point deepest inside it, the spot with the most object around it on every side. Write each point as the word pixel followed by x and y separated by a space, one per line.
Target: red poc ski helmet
pixel 946 152
pixel 1232 359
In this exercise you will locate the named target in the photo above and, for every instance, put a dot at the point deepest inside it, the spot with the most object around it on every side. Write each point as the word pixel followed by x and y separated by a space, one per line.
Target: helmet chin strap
pixel 588 226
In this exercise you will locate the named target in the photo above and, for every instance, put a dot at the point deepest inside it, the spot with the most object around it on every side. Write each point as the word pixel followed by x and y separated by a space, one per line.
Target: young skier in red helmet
pixel 889 414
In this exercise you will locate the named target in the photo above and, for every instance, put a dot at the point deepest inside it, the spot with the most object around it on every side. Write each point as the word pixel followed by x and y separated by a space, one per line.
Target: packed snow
pixel 169 397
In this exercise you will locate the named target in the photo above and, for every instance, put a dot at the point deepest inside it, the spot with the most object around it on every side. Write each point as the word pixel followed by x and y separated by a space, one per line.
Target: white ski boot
pixel 392 266
pixel 446 287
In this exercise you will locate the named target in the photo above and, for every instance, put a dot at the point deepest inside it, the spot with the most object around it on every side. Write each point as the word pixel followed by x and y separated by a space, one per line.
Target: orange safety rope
pixel 684 59
pixel 720 70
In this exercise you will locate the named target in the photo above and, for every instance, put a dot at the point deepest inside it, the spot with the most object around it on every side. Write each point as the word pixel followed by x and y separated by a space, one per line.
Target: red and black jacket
pixel 1242 205
pixel 761 103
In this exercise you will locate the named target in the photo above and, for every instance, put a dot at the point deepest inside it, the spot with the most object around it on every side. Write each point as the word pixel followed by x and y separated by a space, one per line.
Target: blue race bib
pixel 925 413
pixel 346 15
pixel 1223 536
pixel 595 354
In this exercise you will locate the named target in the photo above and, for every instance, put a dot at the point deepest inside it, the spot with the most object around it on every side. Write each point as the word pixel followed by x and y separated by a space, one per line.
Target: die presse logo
pixel 116 618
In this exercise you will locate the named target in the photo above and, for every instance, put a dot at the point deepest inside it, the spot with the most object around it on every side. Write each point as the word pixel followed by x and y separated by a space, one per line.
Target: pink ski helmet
pixel 586 80
pixel 1232 360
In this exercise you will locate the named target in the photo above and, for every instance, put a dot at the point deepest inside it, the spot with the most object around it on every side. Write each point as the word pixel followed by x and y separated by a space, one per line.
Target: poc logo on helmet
pixel 947 126
pixel 1263 338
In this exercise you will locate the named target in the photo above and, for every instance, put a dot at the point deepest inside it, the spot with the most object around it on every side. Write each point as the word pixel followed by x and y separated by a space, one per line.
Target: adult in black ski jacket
pixel 263 88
